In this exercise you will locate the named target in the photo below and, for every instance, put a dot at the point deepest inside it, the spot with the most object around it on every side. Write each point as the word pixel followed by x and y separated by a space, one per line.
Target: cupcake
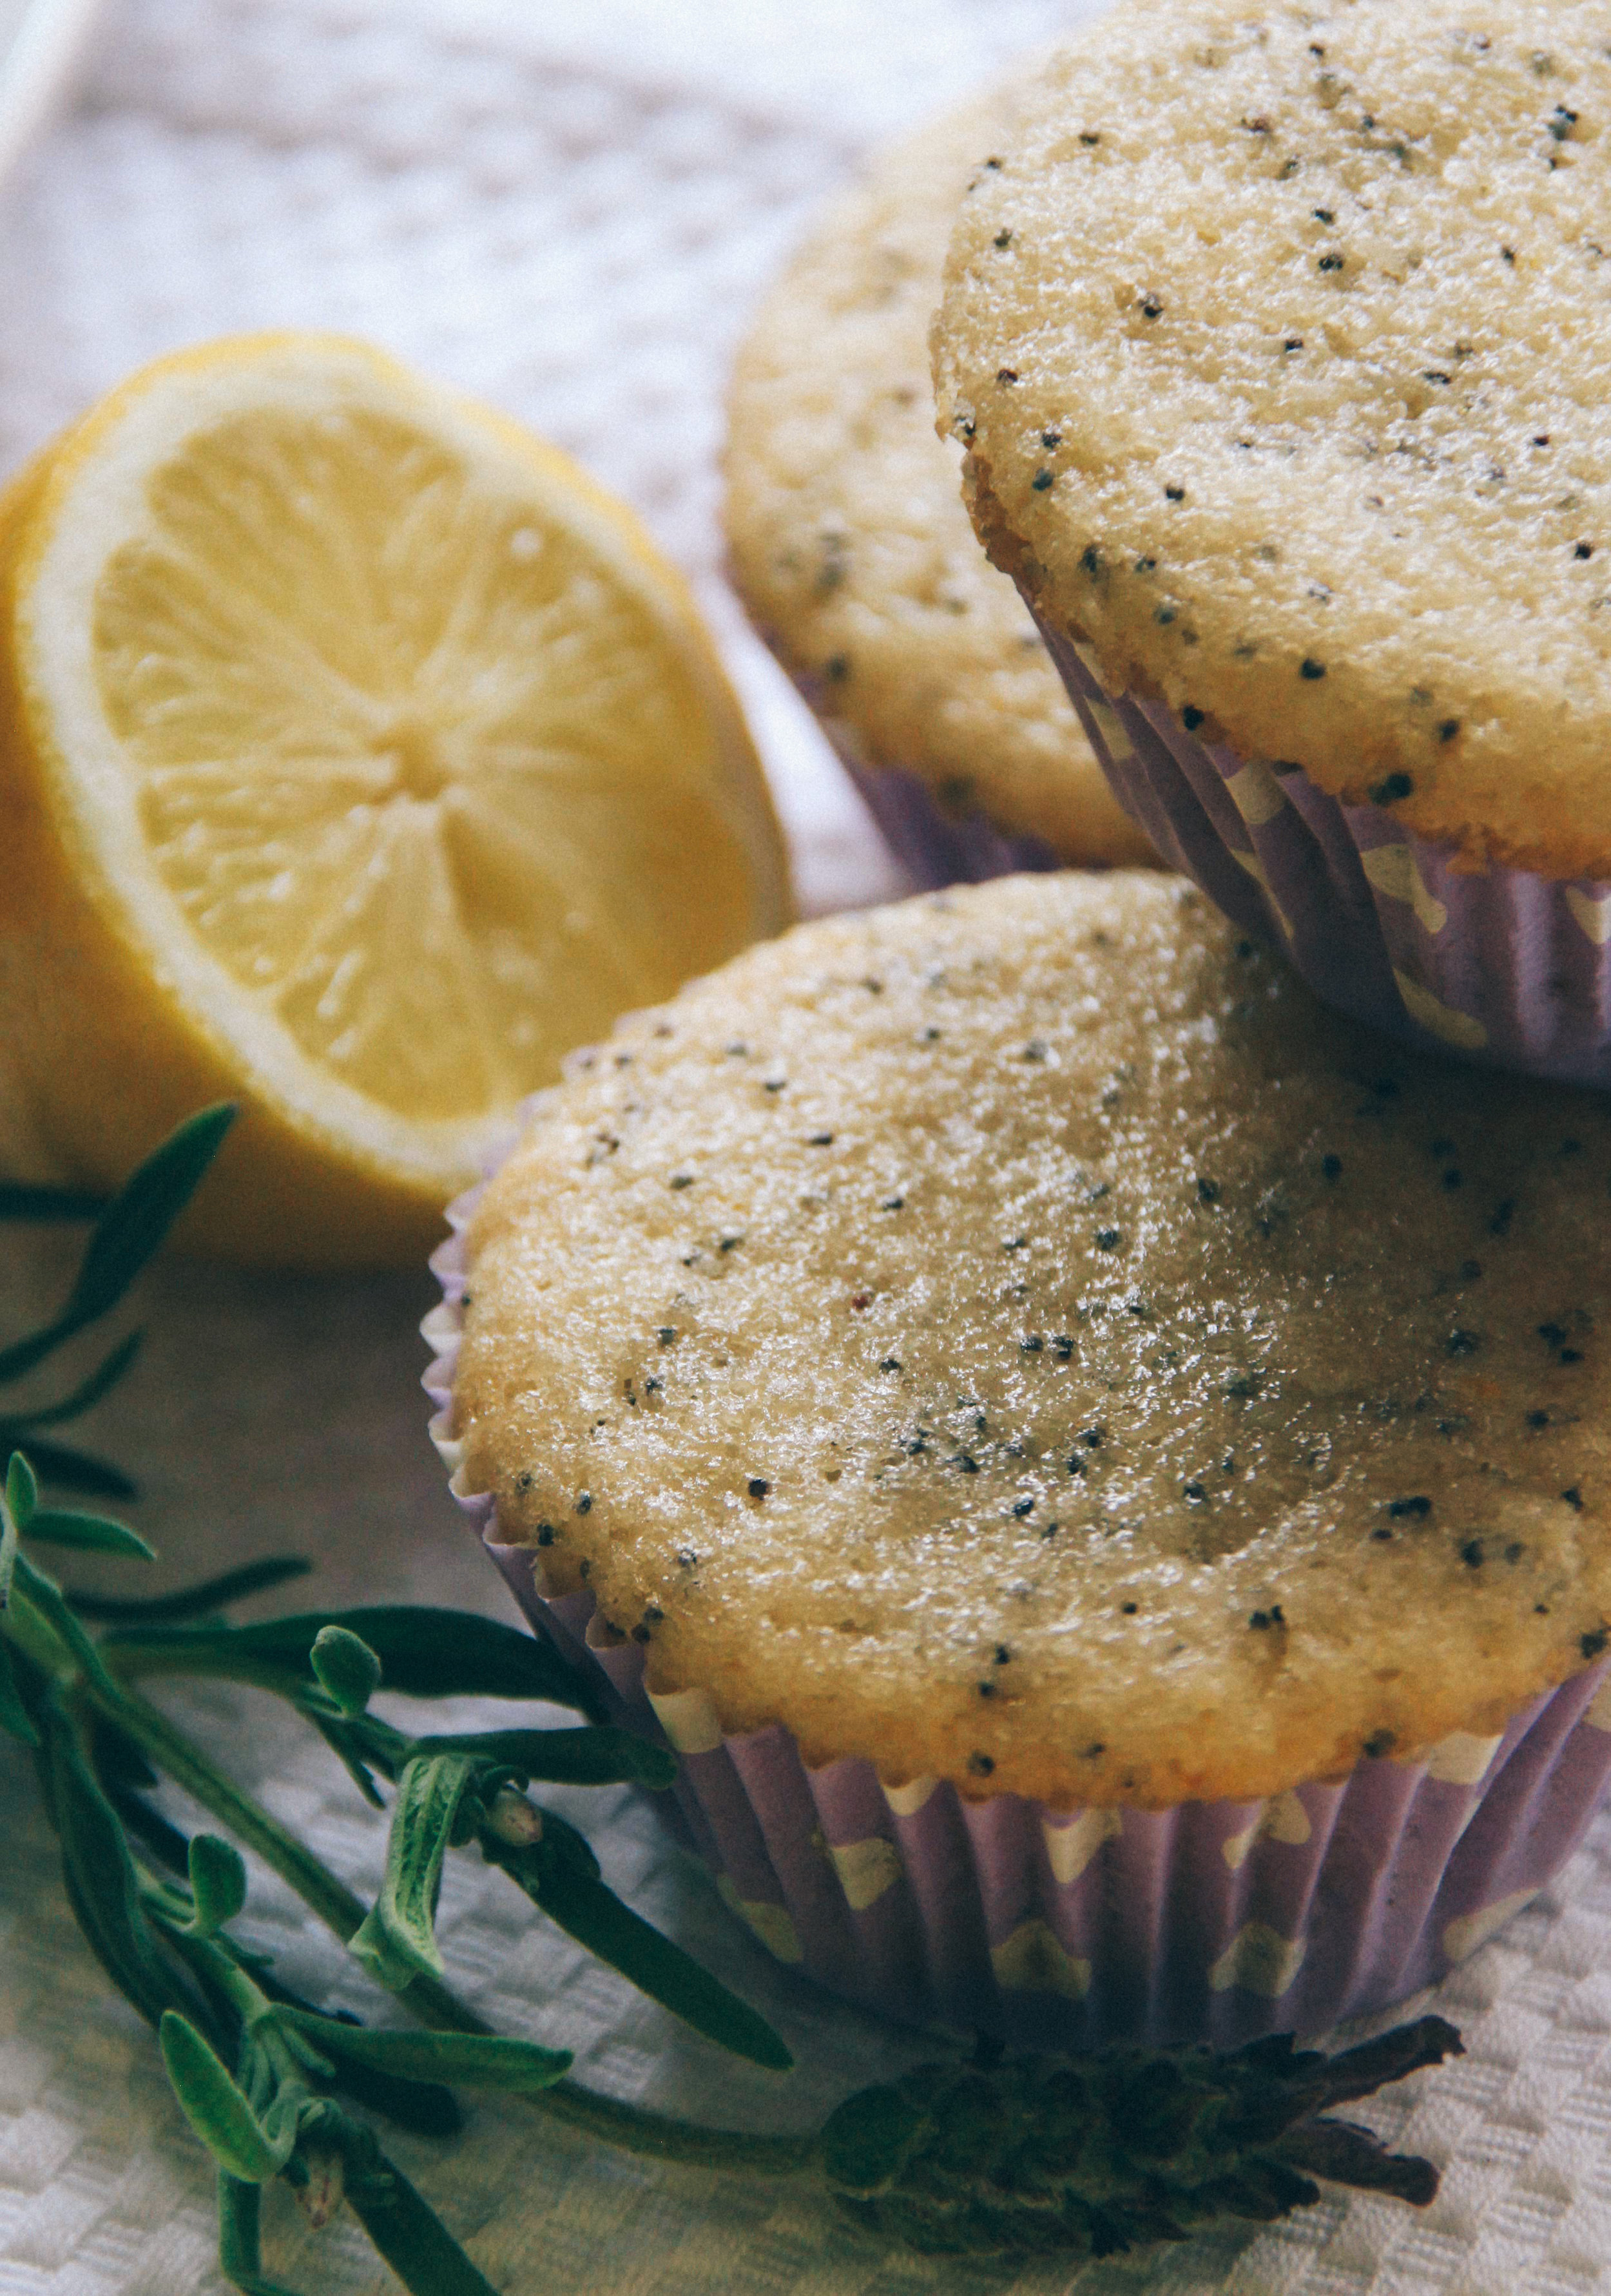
pixel 852 549
pixel 1273 343
pixel 1098 1465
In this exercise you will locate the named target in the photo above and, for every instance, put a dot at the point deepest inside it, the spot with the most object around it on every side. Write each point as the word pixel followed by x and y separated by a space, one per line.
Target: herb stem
pixel 36 1639
pixel 250 1823
pixel 661 2136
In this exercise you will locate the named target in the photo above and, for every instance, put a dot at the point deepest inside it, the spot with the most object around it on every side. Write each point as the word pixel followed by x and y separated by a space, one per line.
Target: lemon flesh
pixel 380 761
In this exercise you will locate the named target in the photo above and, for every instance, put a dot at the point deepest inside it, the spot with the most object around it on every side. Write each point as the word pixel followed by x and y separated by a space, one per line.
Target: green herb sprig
pixel 1082 2157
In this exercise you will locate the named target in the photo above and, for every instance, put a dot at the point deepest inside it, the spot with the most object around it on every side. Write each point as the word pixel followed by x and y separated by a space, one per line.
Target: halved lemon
pixel 359 757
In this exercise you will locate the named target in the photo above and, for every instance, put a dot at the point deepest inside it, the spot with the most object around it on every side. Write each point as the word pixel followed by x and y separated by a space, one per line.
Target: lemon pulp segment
pixel 477 786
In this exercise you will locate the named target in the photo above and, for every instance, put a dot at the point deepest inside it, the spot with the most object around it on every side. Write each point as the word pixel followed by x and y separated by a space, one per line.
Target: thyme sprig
pixel 1080 2156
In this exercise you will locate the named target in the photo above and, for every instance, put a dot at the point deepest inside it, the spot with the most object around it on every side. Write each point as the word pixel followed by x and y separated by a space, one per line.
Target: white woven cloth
pixel 568 208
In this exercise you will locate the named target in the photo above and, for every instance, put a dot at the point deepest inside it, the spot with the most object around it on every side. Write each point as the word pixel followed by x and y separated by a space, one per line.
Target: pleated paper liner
pixel 1214 1922
pixel 1498 964
pixel 937 843
pixel 935 846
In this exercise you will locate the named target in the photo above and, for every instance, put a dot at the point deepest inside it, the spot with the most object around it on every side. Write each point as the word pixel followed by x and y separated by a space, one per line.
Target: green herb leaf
pixel 408 2233
pixel 423 1652
pixel 436 1653
pixel 421 2106
pixel 597 1756
pixel 243 2146
pixel 100 1885
pixel 560 1874
pixel 24 1355
pixel 348 1670
pixel 74 1471
pixel 204 1599
pixel 217 1882
pixel 90 1533
pixel 22 1490
pixel 477 2060
pixel 116 1758
pixel 396 1942
pixel 125 1233
pixel 105 1376
pixel 136 1222
pixel 160 1842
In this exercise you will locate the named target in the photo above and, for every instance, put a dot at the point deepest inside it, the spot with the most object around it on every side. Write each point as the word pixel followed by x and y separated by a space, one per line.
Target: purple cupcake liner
pixel 936 847
pixel 1499 965
pixel 1211 1923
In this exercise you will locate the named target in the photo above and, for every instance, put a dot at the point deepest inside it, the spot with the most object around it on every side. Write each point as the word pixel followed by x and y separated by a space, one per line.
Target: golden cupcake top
pixel 1278 343
pixel 1019 1336
pixel 847 536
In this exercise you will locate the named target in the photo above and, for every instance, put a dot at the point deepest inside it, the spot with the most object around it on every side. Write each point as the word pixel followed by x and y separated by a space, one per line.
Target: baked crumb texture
pixel 1280 346
pixel 848 537
pixel 1019 1337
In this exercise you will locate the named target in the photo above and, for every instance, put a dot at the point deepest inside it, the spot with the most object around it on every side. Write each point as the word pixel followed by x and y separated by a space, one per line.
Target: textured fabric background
pixel 568 208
